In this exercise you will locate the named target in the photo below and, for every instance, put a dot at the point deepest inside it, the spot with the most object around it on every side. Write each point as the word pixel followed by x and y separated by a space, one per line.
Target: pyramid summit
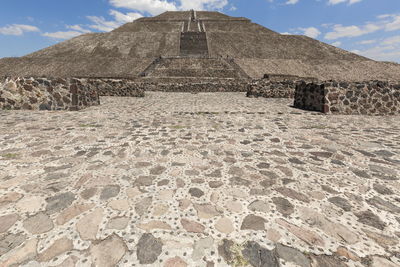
pixel 196 44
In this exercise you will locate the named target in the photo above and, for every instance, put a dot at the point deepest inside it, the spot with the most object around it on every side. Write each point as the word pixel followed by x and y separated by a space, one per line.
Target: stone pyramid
pixel 196 45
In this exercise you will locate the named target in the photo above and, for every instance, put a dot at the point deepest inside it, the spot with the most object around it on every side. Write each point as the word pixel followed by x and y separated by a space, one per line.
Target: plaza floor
pixel 209 179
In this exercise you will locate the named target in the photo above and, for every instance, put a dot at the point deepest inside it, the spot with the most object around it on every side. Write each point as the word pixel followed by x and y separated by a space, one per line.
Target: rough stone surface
pixel 10 241
pixel 259 256
pixel 196 192
pixel 148 249
pixel 109 191
pixel 108 252
pixel 307 236
pixel 38 224
pixel 59 202
pixel 192 226
pixel 283 205
pixel 47 94
pixel 24 253
pixel 118 223
pixel 143 205
pixel 369 218
pixel 358 98
pixel 253 222
pixel 175 262
pixel 201 246
pixel 344 218
pixel 72 212
pixel 59 247
pixel 379 261
pixel 7 221
pixel 292 255
pixel 341 203
pixel 260 206
pixel 88 226
pixel 224 225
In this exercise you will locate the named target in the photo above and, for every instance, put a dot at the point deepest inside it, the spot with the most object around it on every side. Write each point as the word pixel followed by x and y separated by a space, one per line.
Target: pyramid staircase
pixel 201 68
pixel 194 62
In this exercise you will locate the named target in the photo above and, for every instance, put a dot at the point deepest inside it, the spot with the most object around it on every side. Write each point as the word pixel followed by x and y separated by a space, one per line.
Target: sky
pixel 367 27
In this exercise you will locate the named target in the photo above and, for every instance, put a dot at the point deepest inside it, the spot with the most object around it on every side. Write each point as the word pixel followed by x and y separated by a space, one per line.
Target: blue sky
pixel 367 27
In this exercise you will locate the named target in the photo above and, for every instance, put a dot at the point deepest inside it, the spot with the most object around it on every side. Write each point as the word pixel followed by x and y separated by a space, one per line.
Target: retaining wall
pixel 227 86
pixel 117 87
pixel 138 87
pixel 47 94
pixel 271 89
pixel 362 98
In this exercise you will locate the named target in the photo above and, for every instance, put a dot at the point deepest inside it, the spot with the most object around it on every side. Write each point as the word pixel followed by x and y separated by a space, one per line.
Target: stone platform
pixel 357 98
pixel 217 179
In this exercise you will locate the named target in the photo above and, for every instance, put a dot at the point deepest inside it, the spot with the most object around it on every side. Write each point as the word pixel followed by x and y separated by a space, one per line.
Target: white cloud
pixel 18 29
pixel 387 22
pixel 350 2
pixel 75 30
pixel 337 44
pixel 154 7
pixel 392 40
pixel 340 31
pixel 386 49
pixel 62 35
pixel 366 42
pixel 233 8
pixel 125 18
pixel 385 53
pixel 202 4
pixel 311 32
pixel 101 24
pixel 393 25
pixel 292 2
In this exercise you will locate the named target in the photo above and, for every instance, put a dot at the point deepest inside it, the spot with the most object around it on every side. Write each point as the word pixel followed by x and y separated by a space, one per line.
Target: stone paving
pixel 211 179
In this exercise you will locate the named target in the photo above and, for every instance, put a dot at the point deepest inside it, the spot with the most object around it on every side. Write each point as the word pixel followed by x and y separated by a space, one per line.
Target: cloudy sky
pixel 367 27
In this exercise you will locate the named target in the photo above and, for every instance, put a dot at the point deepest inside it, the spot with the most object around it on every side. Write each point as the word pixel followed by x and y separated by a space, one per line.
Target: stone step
pixel 212 73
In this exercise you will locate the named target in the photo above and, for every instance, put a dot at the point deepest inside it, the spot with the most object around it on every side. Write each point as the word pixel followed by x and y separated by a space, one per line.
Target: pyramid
pixel 196 45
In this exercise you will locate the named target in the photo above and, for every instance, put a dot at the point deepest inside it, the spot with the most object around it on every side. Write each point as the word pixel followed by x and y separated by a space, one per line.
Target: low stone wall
pixel 362 98
pixel 309 96
pixel 47 94
pixel 194 87
pixel 271 89
pixel 117 87
pixel 138 87
pixel 282 77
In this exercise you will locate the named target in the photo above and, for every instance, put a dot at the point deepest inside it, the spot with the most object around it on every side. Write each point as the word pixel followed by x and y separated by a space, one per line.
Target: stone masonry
pixel 363 98
pixel 210 179
pixel 271 89
pixel 117 87
pixel 47 94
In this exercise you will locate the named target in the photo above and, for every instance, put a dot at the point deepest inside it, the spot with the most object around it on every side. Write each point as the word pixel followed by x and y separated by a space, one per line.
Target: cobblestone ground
pixel 198 180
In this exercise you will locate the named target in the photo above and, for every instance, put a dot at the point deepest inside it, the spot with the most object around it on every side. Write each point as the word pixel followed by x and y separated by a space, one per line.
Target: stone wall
pixel 117 87
pixel 309 96
pixel 47 94
pixel 226 86
pixel 136 87
pixel 357 98
pixel 271 89
pixel 283 77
